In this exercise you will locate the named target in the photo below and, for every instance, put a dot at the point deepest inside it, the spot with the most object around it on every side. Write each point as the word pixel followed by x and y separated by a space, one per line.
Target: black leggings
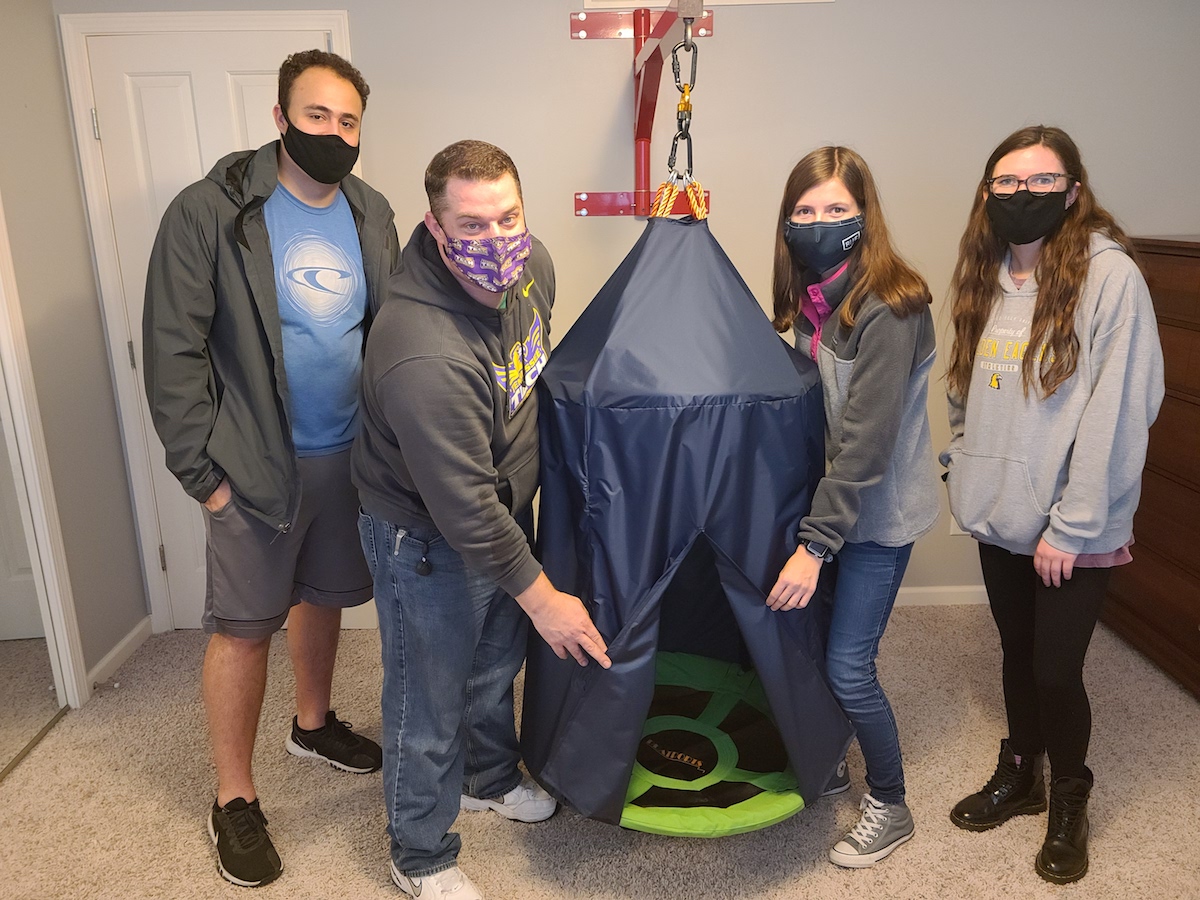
pixel 1044 632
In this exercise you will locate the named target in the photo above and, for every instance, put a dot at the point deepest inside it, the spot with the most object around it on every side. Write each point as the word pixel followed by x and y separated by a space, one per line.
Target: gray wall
pixel 43 204
pixel 921 89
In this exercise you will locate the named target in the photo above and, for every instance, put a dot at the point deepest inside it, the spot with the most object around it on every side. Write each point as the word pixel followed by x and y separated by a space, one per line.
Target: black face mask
pixel 322 157
pixel 1024 217
pixel 821 246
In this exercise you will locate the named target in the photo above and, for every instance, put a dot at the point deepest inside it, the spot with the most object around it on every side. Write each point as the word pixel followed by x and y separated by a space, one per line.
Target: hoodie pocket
pixel 992 498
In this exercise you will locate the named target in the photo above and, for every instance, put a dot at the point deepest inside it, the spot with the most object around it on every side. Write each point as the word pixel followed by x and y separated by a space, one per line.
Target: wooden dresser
pixel 1154 602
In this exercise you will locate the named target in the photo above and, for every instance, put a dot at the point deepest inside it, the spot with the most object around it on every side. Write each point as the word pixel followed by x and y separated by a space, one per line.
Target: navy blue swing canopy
pixel 682 439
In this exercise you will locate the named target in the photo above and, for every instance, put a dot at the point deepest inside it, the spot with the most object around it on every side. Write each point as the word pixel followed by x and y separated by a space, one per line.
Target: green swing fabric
pixel 711 761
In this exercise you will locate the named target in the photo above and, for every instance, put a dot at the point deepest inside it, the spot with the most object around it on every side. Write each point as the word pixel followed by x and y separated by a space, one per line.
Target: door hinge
pixel 95 124
pixel 162 557
pixel 132 360
pixel 329 42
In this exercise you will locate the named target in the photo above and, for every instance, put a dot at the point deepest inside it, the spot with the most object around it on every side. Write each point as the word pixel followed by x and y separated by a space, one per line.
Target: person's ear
pixel 435 229
pixel 1072 194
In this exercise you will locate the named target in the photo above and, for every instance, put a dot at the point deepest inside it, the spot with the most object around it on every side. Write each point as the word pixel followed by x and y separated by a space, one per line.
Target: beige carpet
pixel 112 802
pixel 27 696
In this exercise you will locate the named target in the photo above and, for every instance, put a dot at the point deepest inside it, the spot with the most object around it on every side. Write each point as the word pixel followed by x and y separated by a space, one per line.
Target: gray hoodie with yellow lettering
pixel 1067 467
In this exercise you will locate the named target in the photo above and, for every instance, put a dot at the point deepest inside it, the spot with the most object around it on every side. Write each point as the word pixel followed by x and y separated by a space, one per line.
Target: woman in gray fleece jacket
pixel 1055 377
pixel 863 315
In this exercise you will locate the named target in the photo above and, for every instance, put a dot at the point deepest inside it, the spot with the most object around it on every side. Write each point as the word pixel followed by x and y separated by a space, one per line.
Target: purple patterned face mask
pixel 492 263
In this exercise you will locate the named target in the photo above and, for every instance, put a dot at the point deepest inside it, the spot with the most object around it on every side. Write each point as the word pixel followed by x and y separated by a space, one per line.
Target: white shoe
pixel 525 803
pixel 452 883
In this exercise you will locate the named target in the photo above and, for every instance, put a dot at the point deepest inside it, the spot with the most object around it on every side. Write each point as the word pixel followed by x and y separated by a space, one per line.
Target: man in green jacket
pixel 262 283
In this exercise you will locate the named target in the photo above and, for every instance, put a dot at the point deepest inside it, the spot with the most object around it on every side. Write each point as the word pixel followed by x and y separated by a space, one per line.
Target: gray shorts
pixel 257 574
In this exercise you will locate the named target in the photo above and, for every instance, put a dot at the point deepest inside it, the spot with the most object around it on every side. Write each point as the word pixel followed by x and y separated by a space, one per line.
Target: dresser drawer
pixel 1166 522
pixel 1175 286
pixel 1181 358
pixel 1174 447
pixel 1165 599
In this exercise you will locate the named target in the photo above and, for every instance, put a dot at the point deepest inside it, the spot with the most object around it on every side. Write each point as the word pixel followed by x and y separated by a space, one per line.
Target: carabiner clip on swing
pixel 664 200
pixel 683 114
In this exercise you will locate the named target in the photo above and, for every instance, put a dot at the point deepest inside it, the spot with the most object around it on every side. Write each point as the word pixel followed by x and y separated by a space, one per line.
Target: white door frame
pixel 35 491
pixel 76 28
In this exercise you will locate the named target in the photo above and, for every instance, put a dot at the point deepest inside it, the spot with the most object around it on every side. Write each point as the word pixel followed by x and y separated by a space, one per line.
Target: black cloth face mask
pixel 821 246
pixel 322 157
pixel 1024 217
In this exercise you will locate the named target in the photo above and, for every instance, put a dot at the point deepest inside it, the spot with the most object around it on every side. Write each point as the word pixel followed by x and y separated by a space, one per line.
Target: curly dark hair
pixel 297 63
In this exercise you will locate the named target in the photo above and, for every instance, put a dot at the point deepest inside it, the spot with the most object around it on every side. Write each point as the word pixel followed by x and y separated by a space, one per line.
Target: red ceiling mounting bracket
pixel 650 33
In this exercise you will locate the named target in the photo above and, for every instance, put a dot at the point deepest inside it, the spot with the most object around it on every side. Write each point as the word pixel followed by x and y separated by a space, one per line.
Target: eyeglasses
pixel 1004 186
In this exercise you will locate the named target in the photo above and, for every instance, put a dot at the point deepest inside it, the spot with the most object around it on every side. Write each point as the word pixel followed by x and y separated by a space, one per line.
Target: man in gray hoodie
pixel 261 285
pixel 447 466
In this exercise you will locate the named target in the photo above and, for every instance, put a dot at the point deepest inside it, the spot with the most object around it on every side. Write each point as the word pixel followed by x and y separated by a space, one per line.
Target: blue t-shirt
pixel 322 297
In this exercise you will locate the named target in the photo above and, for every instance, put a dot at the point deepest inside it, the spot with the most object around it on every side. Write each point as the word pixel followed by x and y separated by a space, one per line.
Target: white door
pixel 167 107
pixel 20 615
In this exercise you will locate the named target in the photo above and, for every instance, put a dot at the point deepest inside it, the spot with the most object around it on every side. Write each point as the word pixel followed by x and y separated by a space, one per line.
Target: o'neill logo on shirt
pixel 320 280
pixel 526 359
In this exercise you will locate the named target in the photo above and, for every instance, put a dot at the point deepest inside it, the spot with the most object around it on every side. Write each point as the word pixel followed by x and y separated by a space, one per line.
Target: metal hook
pixel 687 38
pixel 695 51
pixel 674 149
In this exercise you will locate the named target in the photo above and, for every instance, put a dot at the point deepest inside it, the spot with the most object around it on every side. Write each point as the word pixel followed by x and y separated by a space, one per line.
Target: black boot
pixel 1014 790
pixel 1064 854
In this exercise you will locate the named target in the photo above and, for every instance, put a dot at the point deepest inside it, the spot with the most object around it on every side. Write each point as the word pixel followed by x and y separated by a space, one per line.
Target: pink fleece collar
pixel 816 308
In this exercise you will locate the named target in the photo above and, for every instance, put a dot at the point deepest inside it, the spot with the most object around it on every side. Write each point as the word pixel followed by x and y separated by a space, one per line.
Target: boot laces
pixel 1065 813
pixel 1006 772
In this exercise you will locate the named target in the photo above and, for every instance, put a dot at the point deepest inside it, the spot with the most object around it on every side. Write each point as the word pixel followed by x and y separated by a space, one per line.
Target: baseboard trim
pixel 947 595
pixel 116 657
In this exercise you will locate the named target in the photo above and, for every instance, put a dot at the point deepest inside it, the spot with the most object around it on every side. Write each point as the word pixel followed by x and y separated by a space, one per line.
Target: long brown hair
pixel 875 267
pixel 1061 269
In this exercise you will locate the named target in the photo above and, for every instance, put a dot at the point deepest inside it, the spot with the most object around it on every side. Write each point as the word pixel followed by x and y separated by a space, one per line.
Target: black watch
pixel 817 550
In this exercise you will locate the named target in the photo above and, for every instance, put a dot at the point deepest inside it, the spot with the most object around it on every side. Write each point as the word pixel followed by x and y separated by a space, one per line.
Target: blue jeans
pixel 452 643
pixel 868 577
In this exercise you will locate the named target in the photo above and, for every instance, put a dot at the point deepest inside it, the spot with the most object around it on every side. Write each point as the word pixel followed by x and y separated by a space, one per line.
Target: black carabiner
pixel 687 138
pixel 675 63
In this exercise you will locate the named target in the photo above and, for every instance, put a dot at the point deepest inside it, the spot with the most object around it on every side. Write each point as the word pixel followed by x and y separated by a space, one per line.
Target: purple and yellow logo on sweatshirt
pixel 525 362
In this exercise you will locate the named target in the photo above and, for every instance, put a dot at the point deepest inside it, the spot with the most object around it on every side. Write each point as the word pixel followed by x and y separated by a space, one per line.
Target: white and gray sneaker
pixel 525 803
pixel 882 828
pixel 451 883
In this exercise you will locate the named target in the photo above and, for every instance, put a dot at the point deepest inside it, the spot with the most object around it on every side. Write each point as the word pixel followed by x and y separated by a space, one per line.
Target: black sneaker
pixel 337 745
pixel 245 854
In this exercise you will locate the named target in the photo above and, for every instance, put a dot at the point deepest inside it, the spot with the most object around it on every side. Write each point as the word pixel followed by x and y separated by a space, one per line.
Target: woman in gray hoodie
pixel 1055 376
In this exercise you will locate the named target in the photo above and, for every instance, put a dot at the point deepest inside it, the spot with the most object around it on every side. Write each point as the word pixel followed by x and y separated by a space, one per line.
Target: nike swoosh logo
pixel 525 290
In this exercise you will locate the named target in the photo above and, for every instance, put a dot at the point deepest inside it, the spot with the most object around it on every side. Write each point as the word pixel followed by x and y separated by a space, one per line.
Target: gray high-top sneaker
pixel 882 828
